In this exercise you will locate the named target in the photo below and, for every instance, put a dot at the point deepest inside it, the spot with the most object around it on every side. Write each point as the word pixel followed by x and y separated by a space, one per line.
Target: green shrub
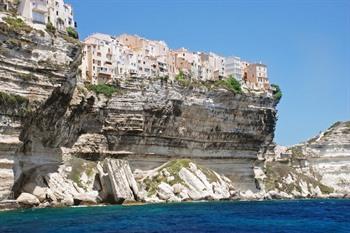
pixel 14 104
pixel 230 84
pixel 277 93
pixel 50 28
pixel 17 24
pixel 182 79
pixel 11 99
pixel 105 89
pixel 72 33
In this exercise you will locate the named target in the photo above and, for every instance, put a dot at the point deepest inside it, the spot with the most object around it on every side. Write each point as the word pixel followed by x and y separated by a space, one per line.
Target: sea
pixel 308 216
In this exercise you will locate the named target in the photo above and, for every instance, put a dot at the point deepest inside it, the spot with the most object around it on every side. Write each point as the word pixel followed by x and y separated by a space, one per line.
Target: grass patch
pixel 11 99
pixel 173 167
pixel 14 103
pixel 17 24
pixel 105 89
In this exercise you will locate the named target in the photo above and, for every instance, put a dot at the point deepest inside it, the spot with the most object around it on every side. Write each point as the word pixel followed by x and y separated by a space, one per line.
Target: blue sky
pixel 306 45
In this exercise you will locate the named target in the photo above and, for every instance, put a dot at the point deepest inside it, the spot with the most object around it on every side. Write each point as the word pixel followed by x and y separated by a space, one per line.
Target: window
pixel 38 17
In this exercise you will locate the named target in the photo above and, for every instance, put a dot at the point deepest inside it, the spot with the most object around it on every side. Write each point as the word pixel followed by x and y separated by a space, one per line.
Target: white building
pixel 233 66
pixel 99 59
pixel 56 12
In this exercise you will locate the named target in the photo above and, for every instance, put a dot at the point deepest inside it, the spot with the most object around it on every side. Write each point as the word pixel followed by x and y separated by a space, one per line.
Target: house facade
pixel 106 58
pixel 255 77
pixel 58 13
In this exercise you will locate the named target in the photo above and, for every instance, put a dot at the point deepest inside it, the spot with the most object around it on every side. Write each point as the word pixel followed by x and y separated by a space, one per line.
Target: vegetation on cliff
pixel 277 93
pixel 50 28
pixel 72 33
pixel 105 89
pixel 278 174
pixel 230 84
pixel 183 81
pixel 17 24
pixel 12 102
pixel 173 168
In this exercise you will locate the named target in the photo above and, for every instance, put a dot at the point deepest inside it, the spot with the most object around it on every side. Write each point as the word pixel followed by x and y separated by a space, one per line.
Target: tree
pixel 277 93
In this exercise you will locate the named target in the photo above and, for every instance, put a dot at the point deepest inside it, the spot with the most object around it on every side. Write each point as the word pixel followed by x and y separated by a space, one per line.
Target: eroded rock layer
pixel 32 63
pixel 49 118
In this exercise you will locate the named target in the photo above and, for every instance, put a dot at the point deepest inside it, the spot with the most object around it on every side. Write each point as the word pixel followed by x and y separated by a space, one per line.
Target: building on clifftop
pixel 107 58
pixel 56 12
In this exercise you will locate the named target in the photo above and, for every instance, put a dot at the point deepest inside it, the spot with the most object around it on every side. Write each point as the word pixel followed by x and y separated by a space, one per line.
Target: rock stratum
pixel 153 140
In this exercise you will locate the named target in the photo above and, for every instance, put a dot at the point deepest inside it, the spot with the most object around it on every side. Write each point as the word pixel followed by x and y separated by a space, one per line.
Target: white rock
pixel 28 199
pixel 165 191
pixel 178 188
pixel 170 178
pixel 86 198
pixel 184 195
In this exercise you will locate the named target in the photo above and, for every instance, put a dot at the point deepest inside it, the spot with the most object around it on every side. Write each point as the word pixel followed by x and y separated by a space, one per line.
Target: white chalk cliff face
pixel 319 167
pixel 328 155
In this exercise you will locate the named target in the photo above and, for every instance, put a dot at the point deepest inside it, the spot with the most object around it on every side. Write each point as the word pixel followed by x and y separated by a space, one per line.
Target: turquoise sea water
pixel 267 216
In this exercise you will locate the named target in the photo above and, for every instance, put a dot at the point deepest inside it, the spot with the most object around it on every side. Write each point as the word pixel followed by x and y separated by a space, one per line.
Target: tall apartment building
pixel 57 12
pixel 234 66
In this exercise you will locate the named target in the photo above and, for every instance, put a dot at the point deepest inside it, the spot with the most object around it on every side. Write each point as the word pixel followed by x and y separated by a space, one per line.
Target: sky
pixel 305 44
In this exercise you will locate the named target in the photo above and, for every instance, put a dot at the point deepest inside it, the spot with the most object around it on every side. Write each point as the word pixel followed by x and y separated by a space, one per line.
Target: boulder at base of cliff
pixel 81 182
pixel 116 181
pixel 27 200
pixel 182 180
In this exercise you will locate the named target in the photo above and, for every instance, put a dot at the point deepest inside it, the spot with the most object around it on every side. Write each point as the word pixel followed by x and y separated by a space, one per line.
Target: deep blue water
pixel 267 216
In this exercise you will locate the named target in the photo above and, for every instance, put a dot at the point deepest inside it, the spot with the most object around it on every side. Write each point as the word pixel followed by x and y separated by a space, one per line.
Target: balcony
pixel 40 7
pixel 105 72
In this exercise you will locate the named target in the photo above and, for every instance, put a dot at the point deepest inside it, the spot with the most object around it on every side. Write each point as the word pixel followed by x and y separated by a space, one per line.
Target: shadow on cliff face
pixel 33 178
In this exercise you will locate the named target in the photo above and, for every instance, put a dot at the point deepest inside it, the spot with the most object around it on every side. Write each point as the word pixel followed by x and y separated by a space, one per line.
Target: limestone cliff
pixel 63 143
pixel 319 167
pixel 32 63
